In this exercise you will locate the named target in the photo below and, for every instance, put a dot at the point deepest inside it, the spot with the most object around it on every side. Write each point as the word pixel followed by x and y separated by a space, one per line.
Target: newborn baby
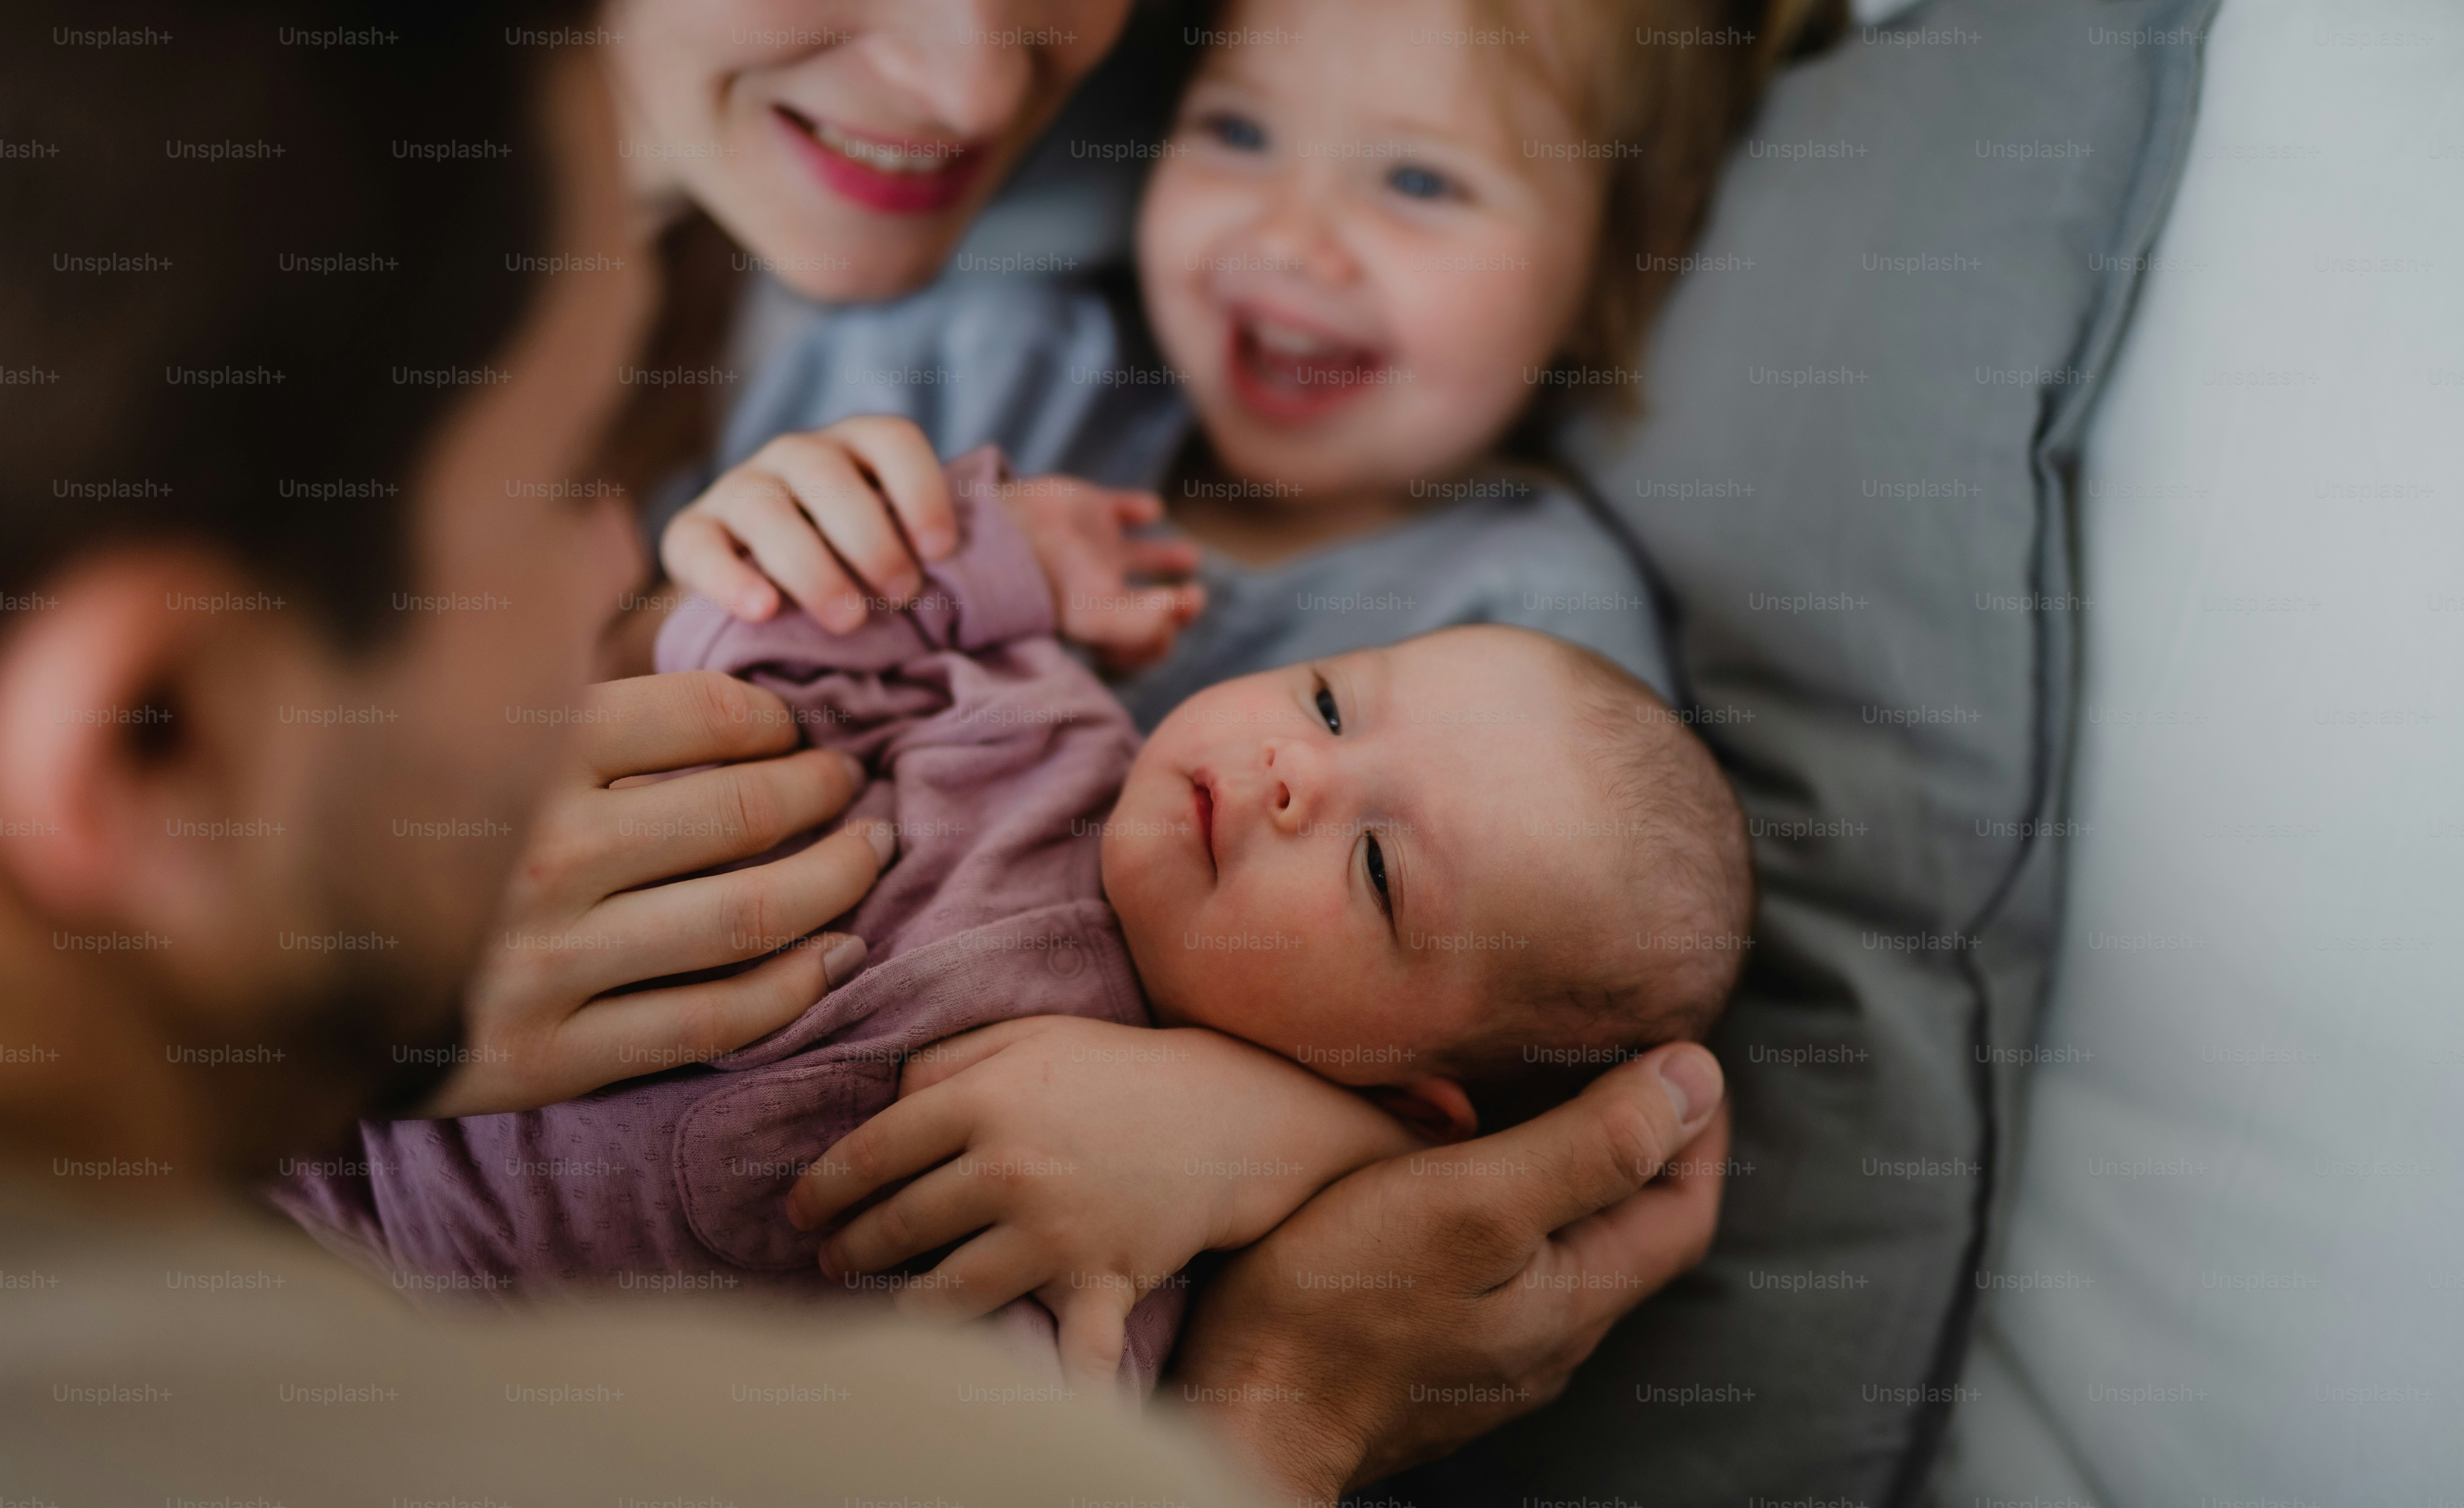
pixel 1460 874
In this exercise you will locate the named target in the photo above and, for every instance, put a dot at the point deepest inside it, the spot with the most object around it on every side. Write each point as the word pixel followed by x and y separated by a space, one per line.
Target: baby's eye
pixel 1378 876
pixel 1236 131
pixel 1326 710
pixel 1420 183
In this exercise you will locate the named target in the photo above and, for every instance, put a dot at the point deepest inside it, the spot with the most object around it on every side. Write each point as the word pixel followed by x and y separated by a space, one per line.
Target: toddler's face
pixel 1331 860
pixel 1349 253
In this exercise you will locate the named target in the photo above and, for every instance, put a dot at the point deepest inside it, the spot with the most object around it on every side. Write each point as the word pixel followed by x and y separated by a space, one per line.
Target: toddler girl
pixel 1385 239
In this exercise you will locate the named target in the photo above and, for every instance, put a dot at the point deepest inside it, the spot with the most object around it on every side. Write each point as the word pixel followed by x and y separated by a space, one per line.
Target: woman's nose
pixel 960 61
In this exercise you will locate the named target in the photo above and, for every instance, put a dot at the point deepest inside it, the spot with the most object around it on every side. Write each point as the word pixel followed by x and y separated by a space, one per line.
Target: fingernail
pixel 885 843
pixel 841 959
pixel 936 542
pixel 800 1214
pixel 1691 1077
pixel 856 772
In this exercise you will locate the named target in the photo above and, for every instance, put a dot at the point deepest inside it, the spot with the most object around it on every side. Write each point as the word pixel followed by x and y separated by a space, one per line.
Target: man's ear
pixel 1436 1108
pixel 137 702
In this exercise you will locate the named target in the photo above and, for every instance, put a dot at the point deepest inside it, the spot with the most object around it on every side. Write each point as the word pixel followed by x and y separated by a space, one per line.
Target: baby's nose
pixel 1291 783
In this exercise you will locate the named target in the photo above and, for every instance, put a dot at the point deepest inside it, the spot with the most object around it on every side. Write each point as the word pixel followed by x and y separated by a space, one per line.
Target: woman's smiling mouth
pixel 893 174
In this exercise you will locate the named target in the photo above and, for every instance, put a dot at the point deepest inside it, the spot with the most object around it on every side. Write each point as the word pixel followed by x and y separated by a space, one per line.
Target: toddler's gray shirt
pixel 1050 370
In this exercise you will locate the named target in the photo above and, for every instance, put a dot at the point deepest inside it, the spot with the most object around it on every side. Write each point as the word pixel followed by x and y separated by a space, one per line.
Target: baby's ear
pixel 1436 1108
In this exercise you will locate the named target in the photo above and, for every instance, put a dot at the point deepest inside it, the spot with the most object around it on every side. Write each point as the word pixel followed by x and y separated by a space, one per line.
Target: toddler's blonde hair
pixel 1666 86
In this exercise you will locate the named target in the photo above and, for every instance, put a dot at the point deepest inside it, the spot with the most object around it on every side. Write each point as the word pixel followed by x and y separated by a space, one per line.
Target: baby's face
pixel 1331 860
pixel 1348 253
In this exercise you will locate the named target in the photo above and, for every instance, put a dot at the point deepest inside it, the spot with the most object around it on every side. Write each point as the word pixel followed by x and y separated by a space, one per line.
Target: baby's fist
pixel 1080 535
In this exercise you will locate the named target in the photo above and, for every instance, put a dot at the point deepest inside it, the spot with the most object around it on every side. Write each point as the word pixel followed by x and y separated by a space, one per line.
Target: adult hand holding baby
pixel 585 914
pixel 1427 1300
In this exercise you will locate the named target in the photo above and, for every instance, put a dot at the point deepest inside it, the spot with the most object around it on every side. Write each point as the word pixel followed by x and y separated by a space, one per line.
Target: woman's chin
pixel 842 254
pixel 869 277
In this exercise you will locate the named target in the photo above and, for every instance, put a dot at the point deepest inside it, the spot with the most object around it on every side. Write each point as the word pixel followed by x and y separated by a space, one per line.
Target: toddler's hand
pixel 1089 1160
pixel 821 514
pixel 1079 532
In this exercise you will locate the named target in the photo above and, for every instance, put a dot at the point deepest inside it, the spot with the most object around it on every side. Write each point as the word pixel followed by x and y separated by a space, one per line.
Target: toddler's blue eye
pixel 1417 183
pixel 1238 132
pixel 1326 710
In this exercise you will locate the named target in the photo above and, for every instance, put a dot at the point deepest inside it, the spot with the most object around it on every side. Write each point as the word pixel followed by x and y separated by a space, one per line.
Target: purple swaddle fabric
pixel 996 757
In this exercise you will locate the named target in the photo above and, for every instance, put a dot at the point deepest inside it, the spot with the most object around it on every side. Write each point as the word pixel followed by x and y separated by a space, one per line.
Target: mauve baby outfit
pixel 998 757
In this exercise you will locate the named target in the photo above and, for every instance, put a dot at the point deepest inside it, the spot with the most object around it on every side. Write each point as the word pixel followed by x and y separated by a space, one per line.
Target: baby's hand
pixel 845 517
pixel 851 489
pixel 1079 532
pixel 1089 1161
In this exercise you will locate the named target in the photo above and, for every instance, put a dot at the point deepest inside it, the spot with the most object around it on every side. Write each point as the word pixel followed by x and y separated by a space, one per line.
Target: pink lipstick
pixel 894 175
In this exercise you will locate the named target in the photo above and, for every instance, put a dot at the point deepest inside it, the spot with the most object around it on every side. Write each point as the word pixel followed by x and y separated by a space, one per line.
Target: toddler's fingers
pixel 979 1277
pixel 1129 657
pixel 936 1210
pixel 1136 508
pixel 1133 638
pixel 1095 1328
pixel 700 556
pixel 901 459
pixel 763 512
pixel 850 516
pixel 1160 557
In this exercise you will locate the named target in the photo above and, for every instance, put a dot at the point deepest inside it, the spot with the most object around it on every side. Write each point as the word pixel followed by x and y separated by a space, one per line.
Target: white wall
pixel 2248 1198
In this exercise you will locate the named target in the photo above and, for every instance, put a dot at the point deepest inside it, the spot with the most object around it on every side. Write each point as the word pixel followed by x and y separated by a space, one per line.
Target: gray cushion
pixel 1851 486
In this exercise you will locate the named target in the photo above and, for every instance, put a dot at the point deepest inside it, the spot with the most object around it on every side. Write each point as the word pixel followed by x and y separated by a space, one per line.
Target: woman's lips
pixel 892 174
pixel 1283 372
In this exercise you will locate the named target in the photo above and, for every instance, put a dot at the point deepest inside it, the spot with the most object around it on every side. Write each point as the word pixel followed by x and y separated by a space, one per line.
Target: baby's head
pixel 1471 869
pixel 1382 228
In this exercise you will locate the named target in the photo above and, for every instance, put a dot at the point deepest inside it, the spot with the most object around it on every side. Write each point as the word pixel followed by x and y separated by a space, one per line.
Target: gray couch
pixel 1854 484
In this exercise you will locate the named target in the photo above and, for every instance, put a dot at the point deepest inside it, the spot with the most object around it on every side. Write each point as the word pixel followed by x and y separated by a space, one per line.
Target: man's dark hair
pixel 248 252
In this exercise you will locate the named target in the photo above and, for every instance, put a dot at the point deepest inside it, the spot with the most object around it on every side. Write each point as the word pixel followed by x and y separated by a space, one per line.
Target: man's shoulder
pixel 170 1354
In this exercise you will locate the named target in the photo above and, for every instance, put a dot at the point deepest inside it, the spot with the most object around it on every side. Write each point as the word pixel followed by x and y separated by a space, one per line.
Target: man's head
pixel 287 525
pixel 1418 867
